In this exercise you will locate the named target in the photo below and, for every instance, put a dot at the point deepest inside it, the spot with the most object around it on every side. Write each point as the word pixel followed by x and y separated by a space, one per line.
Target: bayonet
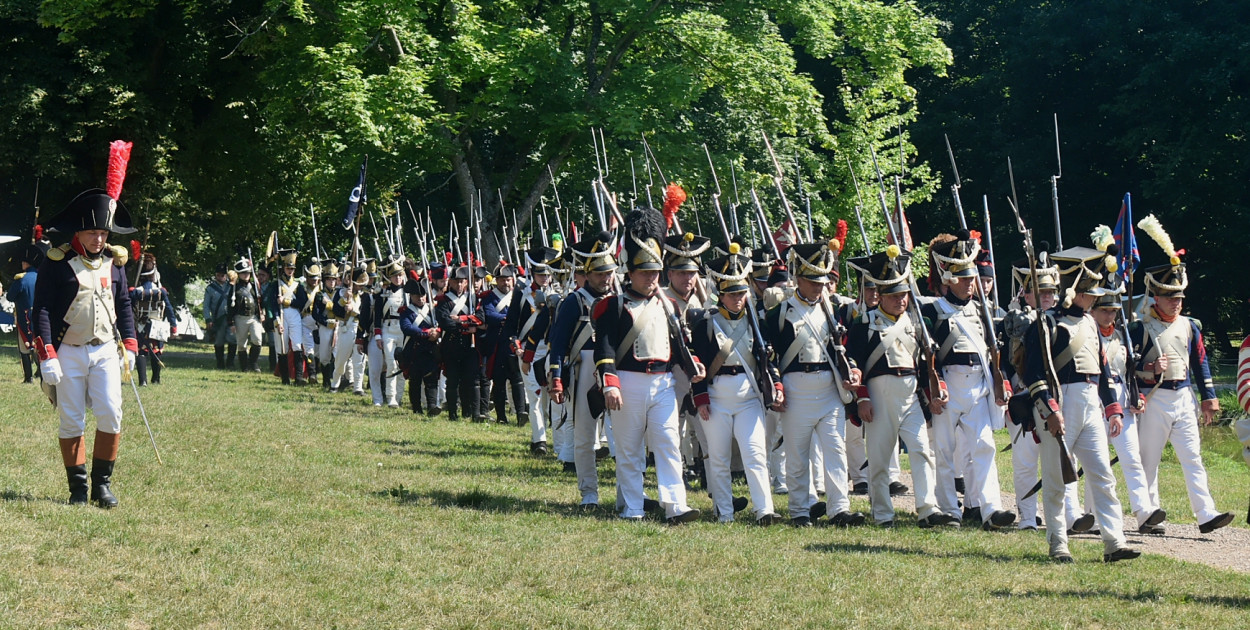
pixel 1054 186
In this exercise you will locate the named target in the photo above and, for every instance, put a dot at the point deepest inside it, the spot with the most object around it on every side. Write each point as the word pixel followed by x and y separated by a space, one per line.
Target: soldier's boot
pixel 300 365
pixel 243 363
pixel 501 407
pixel 431 399
pixel 327 373
pixel 253 359
pixel 75 459
pixel 141 367
pixel 220 351
pixel 27 373
pixel 273 358
pixel 283 370
pixel 156 369
pixel 230 356
pixel 103 458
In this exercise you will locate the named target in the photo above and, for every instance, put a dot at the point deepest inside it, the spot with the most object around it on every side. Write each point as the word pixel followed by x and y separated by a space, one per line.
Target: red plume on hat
pixel 838 242
pixel 38 232
pixel 136 249
pixel 674 196
pixel 119 158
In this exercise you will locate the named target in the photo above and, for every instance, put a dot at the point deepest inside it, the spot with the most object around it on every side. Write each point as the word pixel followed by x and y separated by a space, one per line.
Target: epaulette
pixel 19 276
pixel 1197 323
pixel 58 253
pixel 118 254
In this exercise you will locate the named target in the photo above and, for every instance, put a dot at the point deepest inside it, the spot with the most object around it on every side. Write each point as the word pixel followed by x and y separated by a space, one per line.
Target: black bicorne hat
pixel 92 210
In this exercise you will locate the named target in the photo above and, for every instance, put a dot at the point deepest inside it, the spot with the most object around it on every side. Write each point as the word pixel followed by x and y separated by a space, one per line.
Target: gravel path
pixel 1224 549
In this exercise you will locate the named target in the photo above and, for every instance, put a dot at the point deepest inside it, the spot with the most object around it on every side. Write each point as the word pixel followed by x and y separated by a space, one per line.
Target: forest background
pixel 245 114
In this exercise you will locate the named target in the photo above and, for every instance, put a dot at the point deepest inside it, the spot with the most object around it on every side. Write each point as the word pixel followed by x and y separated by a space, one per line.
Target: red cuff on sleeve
pixel 702 399
pixel 557 385
pixel 861 391
pixel 377 331
pixel 45 351
pixel 528 356
pixel 610 380
pixel 131 345
pixel 781 388
pixel 1114 409
pixel 1007 386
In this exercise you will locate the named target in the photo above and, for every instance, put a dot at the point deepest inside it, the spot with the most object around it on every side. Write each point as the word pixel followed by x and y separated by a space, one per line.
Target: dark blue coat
pixel 55 289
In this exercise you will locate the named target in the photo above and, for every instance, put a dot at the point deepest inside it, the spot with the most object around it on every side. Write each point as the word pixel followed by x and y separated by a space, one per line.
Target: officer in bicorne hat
pixel 82 314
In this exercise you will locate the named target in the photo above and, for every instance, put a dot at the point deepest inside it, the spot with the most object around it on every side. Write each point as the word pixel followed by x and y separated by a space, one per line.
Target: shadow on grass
pixel 481 500
pixel 837 547
pixel 1143 596
pixel 25 497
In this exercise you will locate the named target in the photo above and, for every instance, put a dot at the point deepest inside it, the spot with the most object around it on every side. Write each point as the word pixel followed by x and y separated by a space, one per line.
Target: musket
pixel 737 200
pixel 260 310
pixel 1130 384
pixel 1054 185
pixel 650 178
pixel 376 246
pixel 889 220
pixel 959 206
pixel 1043 332
pixel 316 240
pixel 633 176
pixel 989 243
pixel 807 199
pixel 987 318
pixel 779 180
pixel 760 348
pixel 36 203
pixel 546 223
pixel 859 208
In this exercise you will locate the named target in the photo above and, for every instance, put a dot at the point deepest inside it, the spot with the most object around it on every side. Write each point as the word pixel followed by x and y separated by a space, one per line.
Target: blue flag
pixel 357 197
pixel 1126 238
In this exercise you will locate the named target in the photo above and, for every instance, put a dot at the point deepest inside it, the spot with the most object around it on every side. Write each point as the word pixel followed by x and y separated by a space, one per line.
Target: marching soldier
pixel 1172 358
pixel 348 361
pixel 637 341
pixel 885 342
pixel 534 320
pixel 388 337
pixel 22 295
pixel 248 317
pixel 366 327
pixel 269 311
pixel 82 314
pixel 499 353
pixel 326 323
pixel 155 321
pixel 290 298
pixel 762 264
pixel 819 381
pixel 729 402
pixel 685 288
pixel 421 332
pixel 968 403
pixel 570 357
pixel 1065 346
pixel 308 323
pixel 217 318
pixel 456 318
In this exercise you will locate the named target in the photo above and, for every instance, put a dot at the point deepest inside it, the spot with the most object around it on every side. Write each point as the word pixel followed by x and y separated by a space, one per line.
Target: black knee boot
pixel 27 374
pixel 253 359
pixel 284 369
pixel 327 371
pixel 431 398
pixel 243 363
pixel 77 484
pixel 156 369
pixel 101 473
pixel 220 351
pixel 141 366
pixel 230 356
pixel 300 377
pixel 273 359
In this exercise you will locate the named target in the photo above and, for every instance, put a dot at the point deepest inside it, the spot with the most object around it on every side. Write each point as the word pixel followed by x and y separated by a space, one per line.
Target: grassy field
pixel 279 507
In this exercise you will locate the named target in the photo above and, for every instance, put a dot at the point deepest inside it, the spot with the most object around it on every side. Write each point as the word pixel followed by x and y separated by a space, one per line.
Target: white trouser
pixel 537 403
pixel 1025 455
pixel 442 389
pixel 896 414
pixel 292 332
pixel 814 415
pixel 91 378
pixel 392 340
pixel 690 428
pixel 1129 451
pixel 737 413
pixel 963 460
pixel 1170 417
pixel 776 450
pixel 856 453
pixel 1087 442
pixel 306 342
pixel 648 414
pixel 325 347
pixel 585 428
pixel 561 431
pixel 816 471
pixel 247 331
pixel 969 406
pixel 377 370
pixel 344 352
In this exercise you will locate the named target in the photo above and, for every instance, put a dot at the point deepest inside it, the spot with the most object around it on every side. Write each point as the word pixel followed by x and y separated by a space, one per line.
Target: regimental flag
pixel 357 197
pixel 785 236
pixel 1126 238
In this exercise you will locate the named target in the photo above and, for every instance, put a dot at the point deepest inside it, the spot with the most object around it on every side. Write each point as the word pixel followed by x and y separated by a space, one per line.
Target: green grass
pixel 279 507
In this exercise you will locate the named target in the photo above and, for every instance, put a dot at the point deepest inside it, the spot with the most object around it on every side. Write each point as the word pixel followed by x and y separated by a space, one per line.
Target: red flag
pixel 785 236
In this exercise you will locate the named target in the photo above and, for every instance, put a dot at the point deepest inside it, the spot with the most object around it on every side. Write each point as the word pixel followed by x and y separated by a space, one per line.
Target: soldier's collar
pixel 724 312
pixel 954 299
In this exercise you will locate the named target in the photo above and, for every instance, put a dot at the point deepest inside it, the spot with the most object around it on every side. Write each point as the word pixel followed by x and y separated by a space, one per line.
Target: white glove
pixel 130 360
pixel 51 371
